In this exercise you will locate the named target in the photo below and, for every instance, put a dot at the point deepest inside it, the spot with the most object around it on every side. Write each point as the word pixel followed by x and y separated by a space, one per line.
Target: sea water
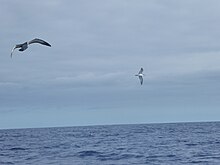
pixel 177 143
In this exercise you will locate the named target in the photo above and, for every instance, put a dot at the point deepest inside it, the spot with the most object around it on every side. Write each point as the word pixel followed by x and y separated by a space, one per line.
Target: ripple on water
pixel 88 153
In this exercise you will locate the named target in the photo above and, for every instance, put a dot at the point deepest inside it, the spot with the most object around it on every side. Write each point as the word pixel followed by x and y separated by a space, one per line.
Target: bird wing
pixel 141 79
pixel 13 50
pixel 39 41
pixel 141 71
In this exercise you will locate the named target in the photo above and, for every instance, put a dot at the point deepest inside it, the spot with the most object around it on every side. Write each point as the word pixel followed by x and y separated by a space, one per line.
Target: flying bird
pixel 140 75
pixel 24 46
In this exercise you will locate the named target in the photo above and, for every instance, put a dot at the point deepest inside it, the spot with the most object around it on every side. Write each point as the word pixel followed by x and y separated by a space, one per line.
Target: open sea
pixel 176 143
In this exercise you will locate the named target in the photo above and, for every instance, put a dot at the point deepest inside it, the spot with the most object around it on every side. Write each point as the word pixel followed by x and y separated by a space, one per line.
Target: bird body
pixel 140 76
pixel 24 46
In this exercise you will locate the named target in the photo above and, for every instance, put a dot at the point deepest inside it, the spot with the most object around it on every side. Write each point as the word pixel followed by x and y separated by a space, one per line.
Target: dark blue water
pixel 182 143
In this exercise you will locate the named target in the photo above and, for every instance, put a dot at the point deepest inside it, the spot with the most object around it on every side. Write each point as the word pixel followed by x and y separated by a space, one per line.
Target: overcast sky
pixel 87 76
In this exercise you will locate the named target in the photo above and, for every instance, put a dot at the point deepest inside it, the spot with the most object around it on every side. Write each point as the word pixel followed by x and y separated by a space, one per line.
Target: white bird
pixel 140 75
pixel 24 46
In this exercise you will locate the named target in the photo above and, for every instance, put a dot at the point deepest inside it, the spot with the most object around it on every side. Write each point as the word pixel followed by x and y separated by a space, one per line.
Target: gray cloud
pixel 98 46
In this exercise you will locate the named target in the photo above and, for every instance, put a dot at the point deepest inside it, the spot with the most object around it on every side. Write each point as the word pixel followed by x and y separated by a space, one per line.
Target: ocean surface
pixel 180 143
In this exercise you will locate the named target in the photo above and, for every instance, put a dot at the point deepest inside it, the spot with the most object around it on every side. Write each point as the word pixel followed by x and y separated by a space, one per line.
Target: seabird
pixel 24 46
pixel 140 75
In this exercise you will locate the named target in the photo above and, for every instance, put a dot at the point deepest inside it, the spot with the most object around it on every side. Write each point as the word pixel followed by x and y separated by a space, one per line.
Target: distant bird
pixel 140 75
pixel 24 46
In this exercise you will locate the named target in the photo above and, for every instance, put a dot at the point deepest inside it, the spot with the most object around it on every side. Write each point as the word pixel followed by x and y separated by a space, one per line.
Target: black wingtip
pixel 48 44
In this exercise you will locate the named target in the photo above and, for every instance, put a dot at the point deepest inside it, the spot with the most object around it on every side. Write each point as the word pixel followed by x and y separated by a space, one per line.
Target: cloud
pixel 91 79
pixel 8 84
pixel 98 46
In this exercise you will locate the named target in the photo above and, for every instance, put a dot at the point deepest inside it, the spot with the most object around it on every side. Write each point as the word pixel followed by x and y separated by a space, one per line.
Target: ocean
pixel 175 143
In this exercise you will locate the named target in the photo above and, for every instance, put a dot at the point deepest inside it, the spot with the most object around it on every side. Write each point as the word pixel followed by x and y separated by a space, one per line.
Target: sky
pixel 87 76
